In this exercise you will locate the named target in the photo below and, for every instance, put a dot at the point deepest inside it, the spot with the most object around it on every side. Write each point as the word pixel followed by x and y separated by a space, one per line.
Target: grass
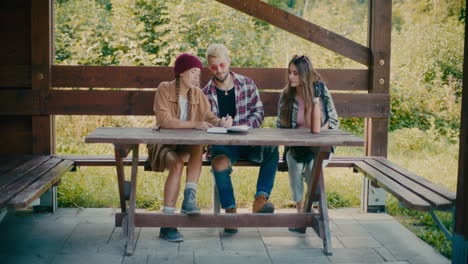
pixel 418 151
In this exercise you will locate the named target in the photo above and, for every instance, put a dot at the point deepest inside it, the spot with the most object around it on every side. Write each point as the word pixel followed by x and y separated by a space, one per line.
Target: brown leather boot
pixel 262 205
pixel 231 230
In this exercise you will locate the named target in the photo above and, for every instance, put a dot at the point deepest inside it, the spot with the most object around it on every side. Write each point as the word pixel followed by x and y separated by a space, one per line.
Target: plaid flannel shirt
pixel 249 107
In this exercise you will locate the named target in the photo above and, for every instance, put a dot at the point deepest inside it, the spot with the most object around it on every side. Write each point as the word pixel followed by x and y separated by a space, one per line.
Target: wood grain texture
pixel 37 188
pixel 380 23
pixel 413 184
pixel 16 135
pixel 15 29
pixel 152 76
pixel 43 135
pixel 29 175
pixel 73 102
pixel 18 167
pixel 443 192
pixel 407 197
pixel 220 220
pixel 260 136
pixel 15 76
pixel 19 102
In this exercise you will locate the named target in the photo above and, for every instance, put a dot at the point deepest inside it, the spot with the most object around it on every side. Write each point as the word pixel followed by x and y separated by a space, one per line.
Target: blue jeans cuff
pixel 229 207
pixel 260 193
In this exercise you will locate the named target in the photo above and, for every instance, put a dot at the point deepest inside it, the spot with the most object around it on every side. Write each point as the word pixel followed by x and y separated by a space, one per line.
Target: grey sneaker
pixel 189 205
pixel 171 234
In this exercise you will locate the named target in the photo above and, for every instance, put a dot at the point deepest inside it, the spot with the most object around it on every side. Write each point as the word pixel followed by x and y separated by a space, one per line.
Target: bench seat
pixel 413 191
pixel 109 160
pixel 24 178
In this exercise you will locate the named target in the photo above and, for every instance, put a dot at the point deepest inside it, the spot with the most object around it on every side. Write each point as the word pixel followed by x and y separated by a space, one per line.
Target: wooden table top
pixel 259 137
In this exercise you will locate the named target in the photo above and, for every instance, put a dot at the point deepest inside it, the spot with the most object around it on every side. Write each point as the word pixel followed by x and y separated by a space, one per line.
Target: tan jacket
pixel 166 107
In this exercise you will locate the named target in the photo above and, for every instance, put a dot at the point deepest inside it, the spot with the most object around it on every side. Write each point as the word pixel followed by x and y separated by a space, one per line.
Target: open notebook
pixel 223 130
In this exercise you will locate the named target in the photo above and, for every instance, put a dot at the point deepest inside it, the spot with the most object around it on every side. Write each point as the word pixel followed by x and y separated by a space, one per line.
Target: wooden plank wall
pixel 352 100
pixel 25 63
pixel 15 61
pixel 140 102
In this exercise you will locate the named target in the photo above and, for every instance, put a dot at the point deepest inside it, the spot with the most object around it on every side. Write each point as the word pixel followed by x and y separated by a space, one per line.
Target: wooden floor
pixel 88 236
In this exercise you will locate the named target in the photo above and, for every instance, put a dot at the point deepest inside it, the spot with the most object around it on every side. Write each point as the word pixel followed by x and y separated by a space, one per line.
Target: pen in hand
pixel 225 119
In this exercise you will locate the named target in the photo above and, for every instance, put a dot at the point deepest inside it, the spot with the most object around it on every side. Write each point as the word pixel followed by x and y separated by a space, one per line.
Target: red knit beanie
pixel 185 62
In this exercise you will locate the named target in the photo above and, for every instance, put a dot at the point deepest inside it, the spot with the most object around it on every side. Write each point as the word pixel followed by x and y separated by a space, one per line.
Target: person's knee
pixel 220 163
pixel 175 162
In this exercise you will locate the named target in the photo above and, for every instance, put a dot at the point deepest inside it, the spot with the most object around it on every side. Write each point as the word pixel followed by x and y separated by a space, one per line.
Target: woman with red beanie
pixel 181 104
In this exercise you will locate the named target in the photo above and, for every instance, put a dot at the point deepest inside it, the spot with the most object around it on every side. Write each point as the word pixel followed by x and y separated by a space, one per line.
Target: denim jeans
pixel 298 173
pixel 266 156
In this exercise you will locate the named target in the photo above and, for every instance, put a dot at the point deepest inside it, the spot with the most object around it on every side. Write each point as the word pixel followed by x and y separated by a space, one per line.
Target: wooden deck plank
pixel 410 199
pixel 414 186
pixel 37 188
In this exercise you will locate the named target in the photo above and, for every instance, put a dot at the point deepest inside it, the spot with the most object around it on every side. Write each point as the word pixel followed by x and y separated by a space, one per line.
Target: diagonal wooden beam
pixel 302 28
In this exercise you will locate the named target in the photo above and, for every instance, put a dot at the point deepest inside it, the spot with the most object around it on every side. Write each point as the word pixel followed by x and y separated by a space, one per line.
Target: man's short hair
pixel 217 50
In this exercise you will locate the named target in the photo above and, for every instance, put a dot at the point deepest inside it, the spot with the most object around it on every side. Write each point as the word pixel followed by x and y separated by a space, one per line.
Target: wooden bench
pixel 412 190
pixel 109 160
pixel 24 178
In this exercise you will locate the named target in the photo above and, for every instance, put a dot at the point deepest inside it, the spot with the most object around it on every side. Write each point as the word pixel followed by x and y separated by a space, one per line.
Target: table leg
pixel 216 203
pixel 121 152
pixel 324 222
pixel 322 229
pixel 131 213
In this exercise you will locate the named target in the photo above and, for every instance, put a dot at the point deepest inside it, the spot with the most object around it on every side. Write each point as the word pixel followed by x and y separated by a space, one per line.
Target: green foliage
pixel 336 200
pixel 426 76
pixel 152 15
pixel 81 37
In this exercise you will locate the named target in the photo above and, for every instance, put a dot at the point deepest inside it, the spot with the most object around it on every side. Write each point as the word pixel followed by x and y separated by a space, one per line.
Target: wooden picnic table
pixel 126 139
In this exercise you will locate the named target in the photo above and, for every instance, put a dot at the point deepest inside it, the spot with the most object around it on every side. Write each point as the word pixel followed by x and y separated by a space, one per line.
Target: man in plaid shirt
pixel 237 96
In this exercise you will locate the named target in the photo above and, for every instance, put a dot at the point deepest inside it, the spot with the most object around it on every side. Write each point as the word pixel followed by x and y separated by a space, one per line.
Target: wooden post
pixel 43 130
pixel 460 237
pixel 41 65
pixel 376 129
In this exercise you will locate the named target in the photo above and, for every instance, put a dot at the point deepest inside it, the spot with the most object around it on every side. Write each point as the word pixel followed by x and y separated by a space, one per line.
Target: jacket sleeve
pixel 330 110
pixel 161 106
pixel 256 115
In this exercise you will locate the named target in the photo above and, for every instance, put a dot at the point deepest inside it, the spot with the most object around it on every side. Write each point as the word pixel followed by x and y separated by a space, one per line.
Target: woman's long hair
pixel 189 97
pixel 308 76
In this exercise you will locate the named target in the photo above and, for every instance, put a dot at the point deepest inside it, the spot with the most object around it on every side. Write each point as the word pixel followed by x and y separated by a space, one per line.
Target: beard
pixel 222 79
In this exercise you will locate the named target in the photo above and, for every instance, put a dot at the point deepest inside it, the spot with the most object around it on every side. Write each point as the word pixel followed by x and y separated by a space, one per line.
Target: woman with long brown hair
pixel 294 111
pixel 181 104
